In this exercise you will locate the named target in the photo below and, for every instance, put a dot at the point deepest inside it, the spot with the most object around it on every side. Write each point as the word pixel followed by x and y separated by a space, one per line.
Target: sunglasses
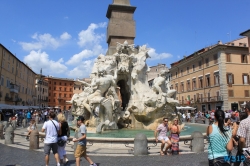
pixel 165 121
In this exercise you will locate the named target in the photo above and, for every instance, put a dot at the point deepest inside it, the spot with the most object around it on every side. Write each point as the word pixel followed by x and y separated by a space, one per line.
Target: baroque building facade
pixel 17 86
pixel 215 77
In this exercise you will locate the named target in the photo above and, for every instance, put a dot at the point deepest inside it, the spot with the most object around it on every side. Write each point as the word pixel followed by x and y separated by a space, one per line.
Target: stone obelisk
pixel 121 24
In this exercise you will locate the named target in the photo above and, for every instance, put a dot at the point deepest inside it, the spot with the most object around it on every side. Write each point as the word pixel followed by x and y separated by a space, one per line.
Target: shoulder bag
pixel 60 142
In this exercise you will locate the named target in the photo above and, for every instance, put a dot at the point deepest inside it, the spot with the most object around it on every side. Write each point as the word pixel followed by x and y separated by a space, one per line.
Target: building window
pixel 2 81
pixel 200 82
pixel 176 87
pixel 65 84
pixel 54 88
pixel 60 83
pixel 199 64
pixel 247 93
pixel 194 84
pixel 49 94
pixel 230 93
pixel 54 100
pixel 49 82
pixel 54 83
pixel 74 88
pixel 79 88
pixel 187 70
pixel 207 62
pixel 60 88
pixel 188 85
pixel 245 78
pixel 243 58
pixel 215 58
pixel 208 80
pixel 230 78
pixel 65 94
pixel 216 79
pixel 65 89
pixel 193 67
pixel 176 74
pixel 181 73
pixel 70 89
pixel 49 88
pixel 182 87
pixel 156 69
pixel 54 95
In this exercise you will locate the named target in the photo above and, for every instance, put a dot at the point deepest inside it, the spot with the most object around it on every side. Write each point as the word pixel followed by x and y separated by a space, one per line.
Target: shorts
pixel 163 138
pixel 49 146
pixel 80 151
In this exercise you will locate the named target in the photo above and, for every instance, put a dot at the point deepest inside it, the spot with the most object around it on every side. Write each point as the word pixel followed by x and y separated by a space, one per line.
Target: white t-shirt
pixel 51 131
pixel 183 116
pixel 188 115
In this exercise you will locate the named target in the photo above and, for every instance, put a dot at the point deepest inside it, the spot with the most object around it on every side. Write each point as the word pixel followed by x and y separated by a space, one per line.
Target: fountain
pixel 119 95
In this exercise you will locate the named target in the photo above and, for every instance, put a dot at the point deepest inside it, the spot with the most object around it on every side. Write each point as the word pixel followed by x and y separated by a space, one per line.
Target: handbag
pixel 60 142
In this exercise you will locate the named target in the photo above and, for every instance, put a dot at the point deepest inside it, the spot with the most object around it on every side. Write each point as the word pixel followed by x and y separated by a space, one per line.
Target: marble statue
pixel 119 95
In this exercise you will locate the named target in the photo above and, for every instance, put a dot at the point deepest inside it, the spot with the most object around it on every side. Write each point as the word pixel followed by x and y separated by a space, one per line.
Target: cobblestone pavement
pixel 11 156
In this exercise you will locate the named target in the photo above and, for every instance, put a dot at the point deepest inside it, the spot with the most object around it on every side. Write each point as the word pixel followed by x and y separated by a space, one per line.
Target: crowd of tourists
pixel 57 133
pixel 229 130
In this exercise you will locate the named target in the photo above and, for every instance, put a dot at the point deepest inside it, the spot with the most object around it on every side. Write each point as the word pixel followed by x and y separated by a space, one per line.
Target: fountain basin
pixel 120 134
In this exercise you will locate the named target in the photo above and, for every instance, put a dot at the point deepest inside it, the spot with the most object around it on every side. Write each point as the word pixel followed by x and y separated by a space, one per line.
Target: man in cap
pixel 81 146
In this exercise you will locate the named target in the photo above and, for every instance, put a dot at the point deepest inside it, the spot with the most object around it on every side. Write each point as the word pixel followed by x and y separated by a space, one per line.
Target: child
pixel 31 128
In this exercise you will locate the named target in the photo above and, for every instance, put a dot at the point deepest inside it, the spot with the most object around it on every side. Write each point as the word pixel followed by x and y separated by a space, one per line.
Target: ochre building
pixel 17 86
pixel 215 77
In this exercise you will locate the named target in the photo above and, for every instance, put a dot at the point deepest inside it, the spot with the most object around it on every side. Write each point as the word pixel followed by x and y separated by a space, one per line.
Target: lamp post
pixel 40 86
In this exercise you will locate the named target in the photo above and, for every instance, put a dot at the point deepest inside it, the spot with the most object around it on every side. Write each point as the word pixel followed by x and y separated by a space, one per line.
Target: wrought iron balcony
pixel 14 88
pixel 210 99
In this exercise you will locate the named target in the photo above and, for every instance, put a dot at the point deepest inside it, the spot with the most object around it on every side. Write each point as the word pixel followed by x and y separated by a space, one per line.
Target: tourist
pixel 31 127
pixel 28 116
pixel 45 114
pixel 175 136
pixel 52 130
pixel 81 145
pixel 220 139
pixel 228 123
pixel 242 116
pixel 212 116
pixel 234 118
pixel 63 136
pixel 183 117
pixel 244 132
pixel 188 116
pixel 161 135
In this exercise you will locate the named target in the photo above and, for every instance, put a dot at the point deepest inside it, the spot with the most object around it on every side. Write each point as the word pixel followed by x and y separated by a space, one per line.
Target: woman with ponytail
pixel 220 140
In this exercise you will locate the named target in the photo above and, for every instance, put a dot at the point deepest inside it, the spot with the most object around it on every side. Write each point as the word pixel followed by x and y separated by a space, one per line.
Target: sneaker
pixel 66 161
pixel 58 164
pixel 94 164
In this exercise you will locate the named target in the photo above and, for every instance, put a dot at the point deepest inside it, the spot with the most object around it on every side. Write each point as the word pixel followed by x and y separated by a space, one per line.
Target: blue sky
pixel 64 37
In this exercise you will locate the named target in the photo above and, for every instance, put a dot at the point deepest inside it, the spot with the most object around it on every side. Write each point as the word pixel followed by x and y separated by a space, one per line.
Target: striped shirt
pixel 218 142
pixel 244 130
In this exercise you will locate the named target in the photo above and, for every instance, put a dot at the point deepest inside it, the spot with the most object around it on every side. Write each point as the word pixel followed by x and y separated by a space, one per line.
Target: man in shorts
pixel 81 146
pixel 161 135
pixel 52 129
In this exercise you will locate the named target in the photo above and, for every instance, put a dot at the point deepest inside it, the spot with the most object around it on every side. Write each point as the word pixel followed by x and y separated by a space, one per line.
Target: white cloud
pixel 179 57
pixel 65 36
pixel 37 60
pixel 42 41
pixel 156 56
pixel 82 70
pixel 88 37
pixel 77 58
